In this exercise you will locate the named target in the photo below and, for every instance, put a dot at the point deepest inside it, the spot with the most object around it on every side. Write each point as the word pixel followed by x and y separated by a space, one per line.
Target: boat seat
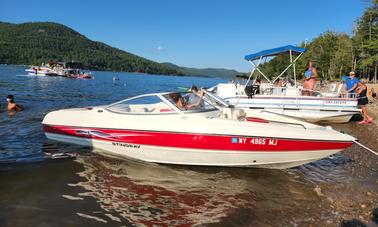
pixel 121 108
pixel 139 109
pixel 165 110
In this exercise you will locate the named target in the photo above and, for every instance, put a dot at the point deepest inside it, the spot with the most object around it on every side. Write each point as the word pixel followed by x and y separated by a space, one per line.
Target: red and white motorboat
pixel 153 129
pixel 77 74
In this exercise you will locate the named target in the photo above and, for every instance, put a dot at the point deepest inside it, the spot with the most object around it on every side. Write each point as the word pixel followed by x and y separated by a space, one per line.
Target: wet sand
pixel 346 197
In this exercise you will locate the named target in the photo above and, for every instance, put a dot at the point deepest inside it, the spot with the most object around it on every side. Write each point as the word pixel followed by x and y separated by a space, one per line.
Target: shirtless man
pixel 12 106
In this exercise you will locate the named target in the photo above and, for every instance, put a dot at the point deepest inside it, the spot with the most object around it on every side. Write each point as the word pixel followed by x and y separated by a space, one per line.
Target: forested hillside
pixel 210 72
pixel 34 43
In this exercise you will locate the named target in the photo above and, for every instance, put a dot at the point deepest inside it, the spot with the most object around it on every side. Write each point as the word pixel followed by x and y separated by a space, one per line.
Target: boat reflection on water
pixel 168 195
pixel 152 194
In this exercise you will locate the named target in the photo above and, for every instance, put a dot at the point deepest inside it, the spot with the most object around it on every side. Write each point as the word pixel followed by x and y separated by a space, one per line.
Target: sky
pixel 193 33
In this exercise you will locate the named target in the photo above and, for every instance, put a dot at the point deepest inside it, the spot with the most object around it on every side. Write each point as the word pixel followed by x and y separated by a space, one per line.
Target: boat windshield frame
pixel 164 99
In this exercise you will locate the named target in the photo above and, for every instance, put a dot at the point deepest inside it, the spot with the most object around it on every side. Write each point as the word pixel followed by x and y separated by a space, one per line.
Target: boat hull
pixel 287 102
pixel 309 109
pixel 312 116
pixel 198 149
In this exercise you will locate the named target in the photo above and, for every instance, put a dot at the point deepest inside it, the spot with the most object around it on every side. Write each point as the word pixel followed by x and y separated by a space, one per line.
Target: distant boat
pixel 77 74
pixel 70 69
pixel 41 71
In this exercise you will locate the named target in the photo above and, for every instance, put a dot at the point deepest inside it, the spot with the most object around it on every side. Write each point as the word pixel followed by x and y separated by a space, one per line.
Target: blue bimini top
pixel 275 51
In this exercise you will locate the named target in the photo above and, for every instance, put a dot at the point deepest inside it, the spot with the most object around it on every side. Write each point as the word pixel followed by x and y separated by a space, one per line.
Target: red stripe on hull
pixel 197 141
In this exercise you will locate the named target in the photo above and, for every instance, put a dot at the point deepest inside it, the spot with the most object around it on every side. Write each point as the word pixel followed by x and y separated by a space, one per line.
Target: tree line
pixel 335 54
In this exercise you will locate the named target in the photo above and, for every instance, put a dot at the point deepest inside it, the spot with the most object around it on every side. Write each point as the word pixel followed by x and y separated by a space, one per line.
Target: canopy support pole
pixel 288 67
pixel 257 68
pixel 294 72
pixel 253 70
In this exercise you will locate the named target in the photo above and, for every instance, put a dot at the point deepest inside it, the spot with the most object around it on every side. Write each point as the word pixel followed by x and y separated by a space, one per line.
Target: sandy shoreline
pixel 373 103
pixel 352 201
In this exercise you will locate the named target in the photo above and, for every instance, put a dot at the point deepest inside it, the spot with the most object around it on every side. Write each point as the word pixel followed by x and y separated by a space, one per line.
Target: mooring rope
pixel 363 146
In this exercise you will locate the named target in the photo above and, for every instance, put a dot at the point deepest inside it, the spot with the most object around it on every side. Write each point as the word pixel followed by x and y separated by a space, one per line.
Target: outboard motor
pixel 251 90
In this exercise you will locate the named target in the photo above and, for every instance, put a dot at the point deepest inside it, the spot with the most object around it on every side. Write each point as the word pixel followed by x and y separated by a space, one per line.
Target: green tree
pixel 365 42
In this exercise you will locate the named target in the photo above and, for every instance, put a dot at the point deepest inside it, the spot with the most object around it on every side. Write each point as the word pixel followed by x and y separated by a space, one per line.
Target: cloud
pixel 159 48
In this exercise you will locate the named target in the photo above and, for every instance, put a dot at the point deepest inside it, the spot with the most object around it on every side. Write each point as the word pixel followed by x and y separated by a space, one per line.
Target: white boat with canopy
pixel 285 100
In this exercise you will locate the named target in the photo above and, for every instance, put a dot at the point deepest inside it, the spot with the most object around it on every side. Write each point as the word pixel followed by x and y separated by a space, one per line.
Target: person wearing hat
pixel 351 84
pixel 12 107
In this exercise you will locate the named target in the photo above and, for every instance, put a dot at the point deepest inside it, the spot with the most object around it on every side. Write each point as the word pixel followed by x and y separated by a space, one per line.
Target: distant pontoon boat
pixel 288 100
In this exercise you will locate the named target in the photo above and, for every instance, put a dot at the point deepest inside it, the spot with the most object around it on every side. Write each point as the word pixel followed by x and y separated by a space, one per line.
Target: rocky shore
pixel 356 198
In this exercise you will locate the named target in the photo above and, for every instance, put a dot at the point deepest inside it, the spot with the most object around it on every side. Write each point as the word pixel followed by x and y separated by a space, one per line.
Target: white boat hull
pixel 200 157
pixel 38 74
pixel 313 116
pixel 43 71
pixel 309 108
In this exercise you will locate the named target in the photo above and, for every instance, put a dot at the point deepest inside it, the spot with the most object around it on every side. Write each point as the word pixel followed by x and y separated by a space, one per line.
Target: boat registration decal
pixel 256 141
pixel 335 102
pixel 125 145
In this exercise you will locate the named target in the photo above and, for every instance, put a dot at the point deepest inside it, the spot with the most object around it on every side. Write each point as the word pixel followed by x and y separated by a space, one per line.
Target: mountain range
pixel 38 42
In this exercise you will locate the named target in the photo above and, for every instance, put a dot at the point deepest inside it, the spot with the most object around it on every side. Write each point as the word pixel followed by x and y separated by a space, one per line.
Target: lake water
pixel 92 190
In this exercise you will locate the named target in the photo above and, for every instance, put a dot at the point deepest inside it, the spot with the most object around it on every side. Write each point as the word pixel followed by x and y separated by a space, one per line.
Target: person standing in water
pixel 361 90
pixel 12 107
pixel 309 80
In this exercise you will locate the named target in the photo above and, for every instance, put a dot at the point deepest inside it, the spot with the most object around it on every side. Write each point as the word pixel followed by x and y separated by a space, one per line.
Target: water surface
pixel 95 190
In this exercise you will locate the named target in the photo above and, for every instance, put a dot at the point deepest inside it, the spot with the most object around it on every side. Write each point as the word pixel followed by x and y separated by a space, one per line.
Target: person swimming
pixel 12 107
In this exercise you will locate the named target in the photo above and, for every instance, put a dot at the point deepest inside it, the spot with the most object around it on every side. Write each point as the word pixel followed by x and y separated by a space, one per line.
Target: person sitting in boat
pixel 179 100
pixel 12 107
pixel 195 100
pixel 278 86
pixel 309 79
pixel 361 90
pixel 257 85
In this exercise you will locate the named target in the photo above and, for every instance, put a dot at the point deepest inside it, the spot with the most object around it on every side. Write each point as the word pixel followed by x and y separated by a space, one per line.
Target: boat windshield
pixel 144 104
pixel 162 103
